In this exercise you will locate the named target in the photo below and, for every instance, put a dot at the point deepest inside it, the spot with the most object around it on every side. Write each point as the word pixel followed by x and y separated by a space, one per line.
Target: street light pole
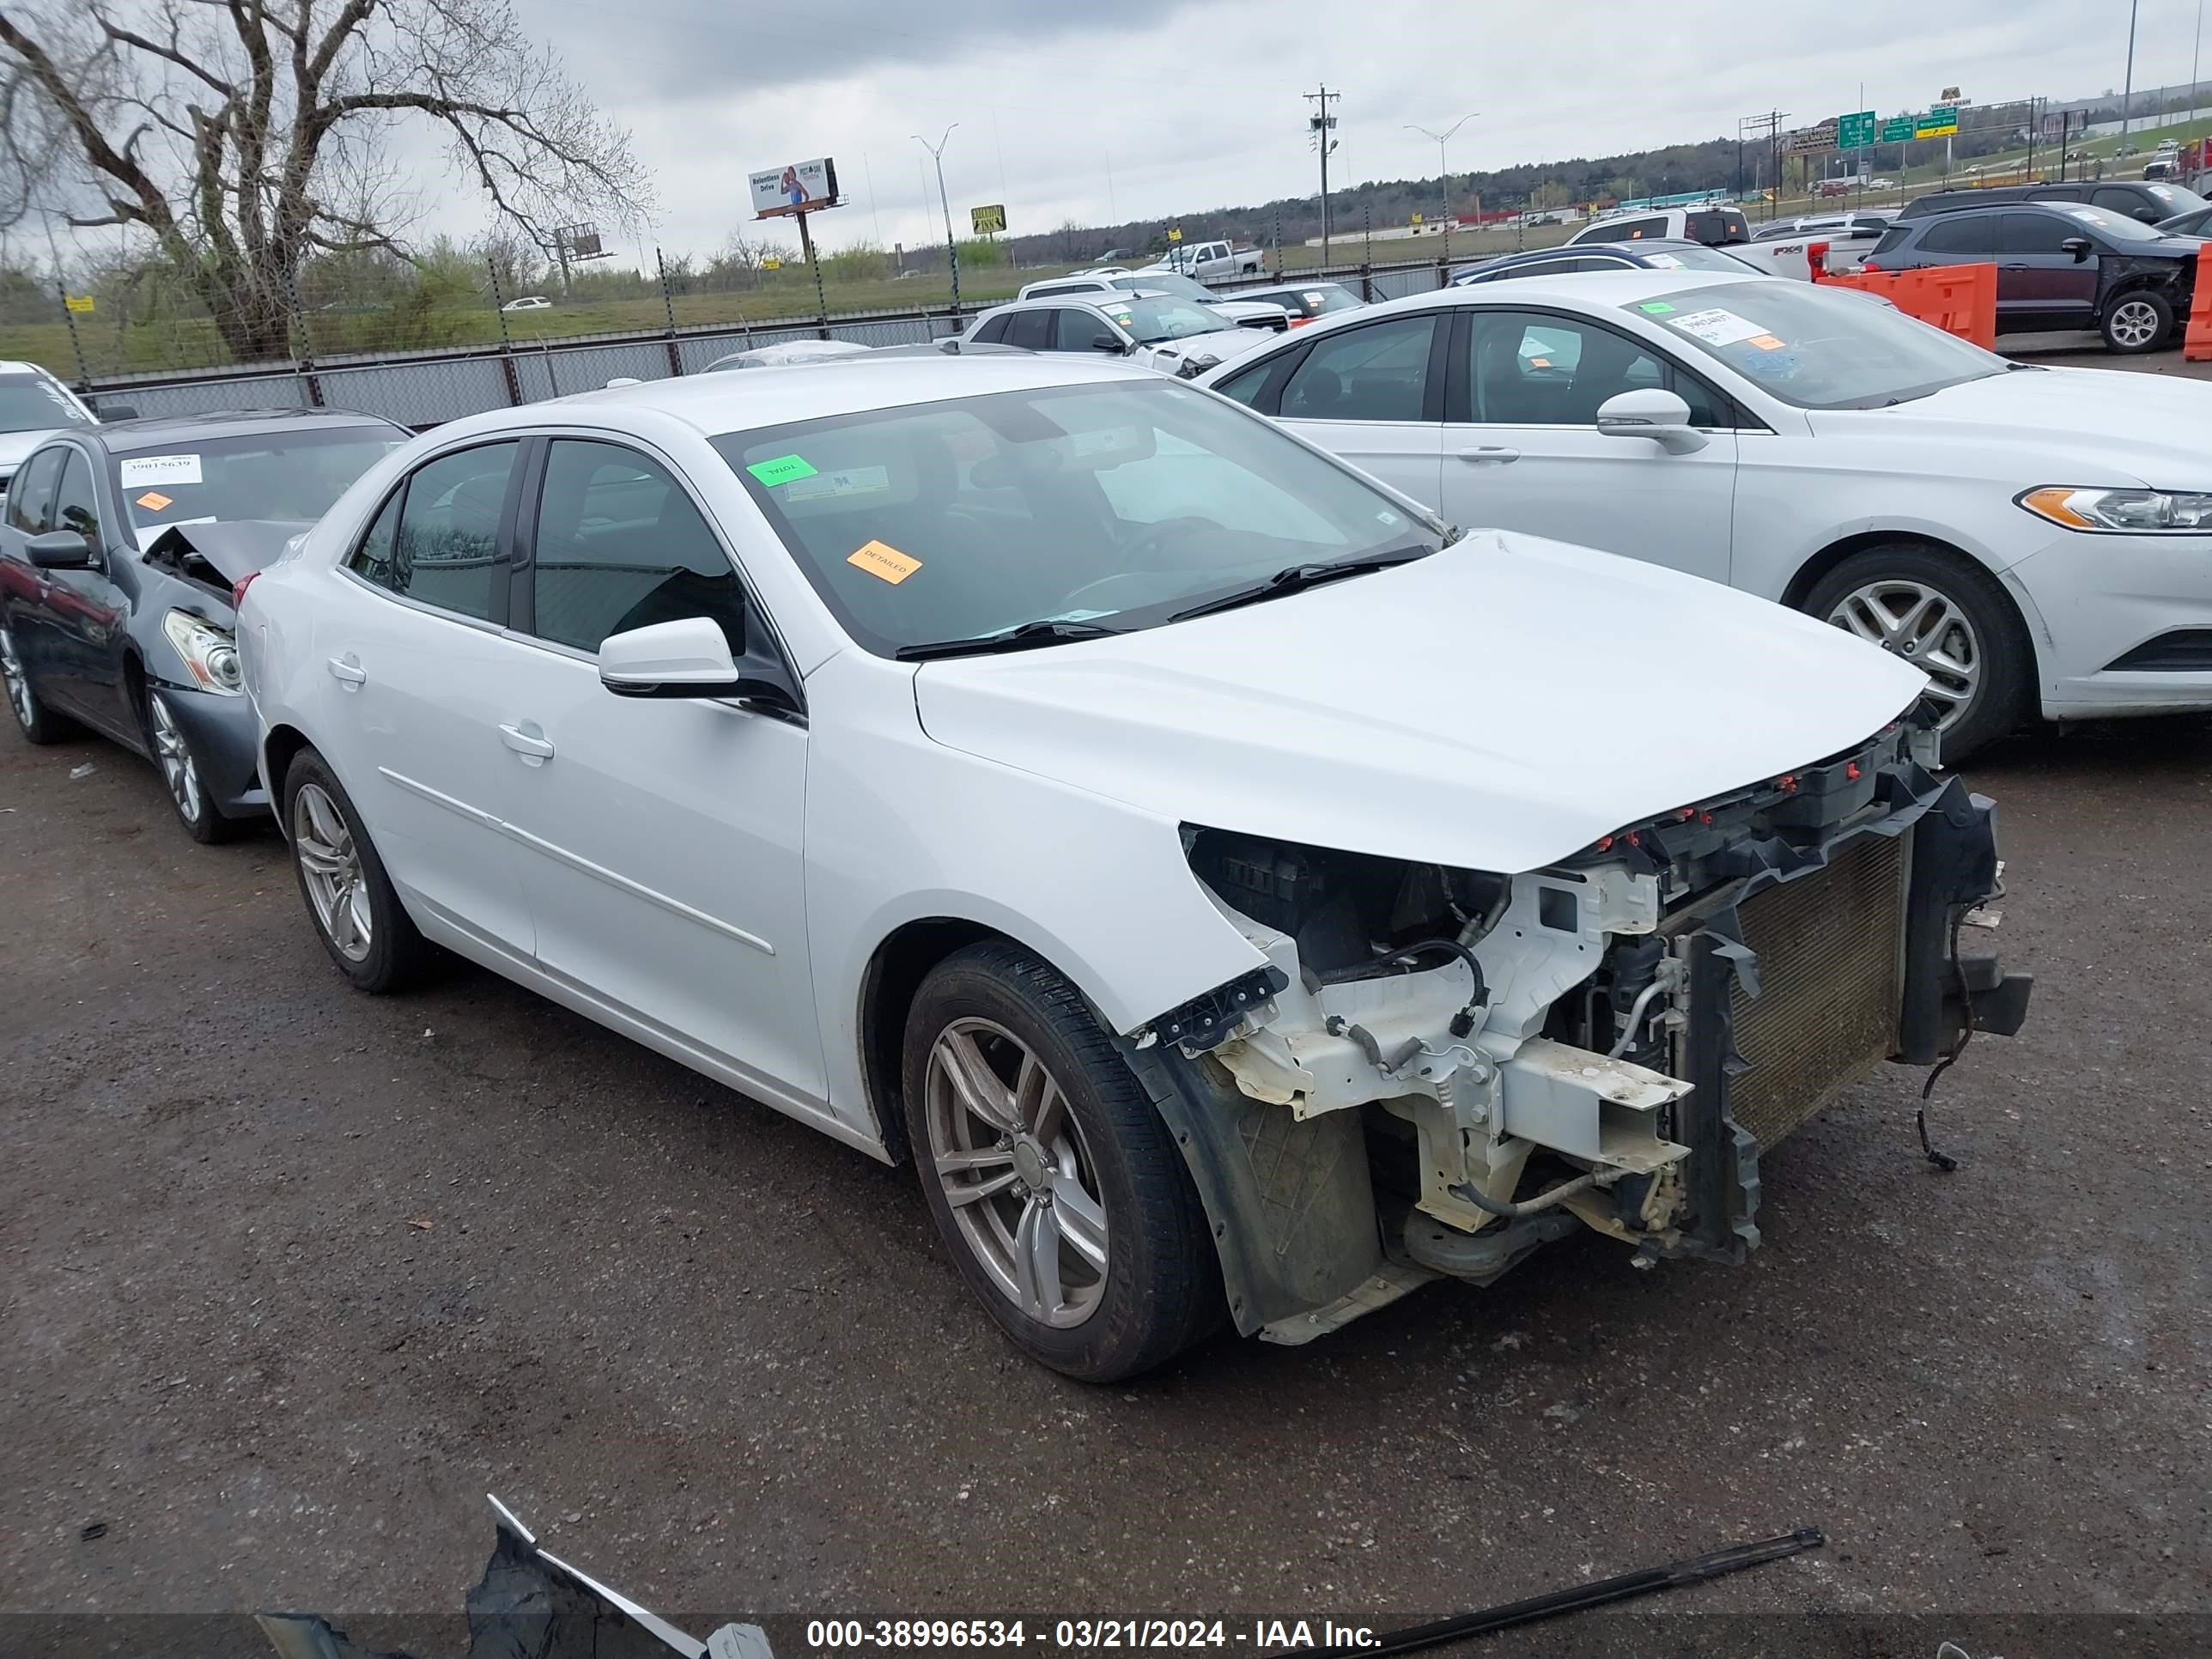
pixel 951 247
pixel 1443 168
pixel 2127 93
pixel 2196 51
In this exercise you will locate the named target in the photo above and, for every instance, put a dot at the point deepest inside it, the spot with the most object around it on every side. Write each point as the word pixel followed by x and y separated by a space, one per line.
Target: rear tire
pixel 2137 322
pixel 1067 1182
pixel 1943 613
pixel 356 912
pixel 38 723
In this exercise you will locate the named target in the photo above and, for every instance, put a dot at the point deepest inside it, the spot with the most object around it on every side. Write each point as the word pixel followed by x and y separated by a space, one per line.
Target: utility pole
pixel 1322 126
pixel 951 247
pixel 1443 168
pixel 1769 127
pixel 2127 93
pixel 2196 51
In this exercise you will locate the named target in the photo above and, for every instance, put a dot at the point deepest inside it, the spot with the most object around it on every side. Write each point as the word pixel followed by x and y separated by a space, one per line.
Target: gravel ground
pixel 290 1277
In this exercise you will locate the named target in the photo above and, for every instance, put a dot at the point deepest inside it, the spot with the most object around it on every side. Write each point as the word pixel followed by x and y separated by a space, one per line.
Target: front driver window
pixel 621 544
pixel 1527 370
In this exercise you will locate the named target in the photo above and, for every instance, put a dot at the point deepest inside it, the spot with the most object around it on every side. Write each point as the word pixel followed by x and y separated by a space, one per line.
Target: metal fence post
pixel 668 304
pixel 506 345
pixel 1278 247
pixel 1366 253
pixel 76 345
pixel 312 380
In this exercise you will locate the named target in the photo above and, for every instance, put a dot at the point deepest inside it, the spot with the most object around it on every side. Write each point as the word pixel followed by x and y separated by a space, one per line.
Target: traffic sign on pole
pixel 1938 123
pixel 1855 131
pixel 1898 130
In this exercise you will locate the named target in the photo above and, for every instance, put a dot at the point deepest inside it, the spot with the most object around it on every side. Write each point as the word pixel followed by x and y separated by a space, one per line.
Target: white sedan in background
pixel 1244 901
pixel 2038 540
pixel 1175 335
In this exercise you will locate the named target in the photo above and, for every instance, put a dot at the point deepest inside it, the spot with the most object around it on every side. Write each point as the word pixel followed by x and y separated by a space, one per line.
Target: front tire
pixel 356 913
pixel 180 771
pixel 2137 323
pixel 1947 616
pixel 1050 1175
pixel 38 723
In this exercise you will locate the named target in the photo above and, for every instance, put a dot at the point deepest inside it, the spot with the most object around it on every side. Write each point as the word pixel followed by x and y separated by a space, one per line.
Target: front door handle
pixel 528 742
pixel 348 671
pixel 1489 455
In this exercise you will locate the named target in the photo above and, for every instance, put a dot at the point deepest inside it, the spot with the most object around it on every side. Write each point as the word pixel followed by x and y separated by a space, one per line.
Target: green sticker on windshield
pixel 784 469
pixel 1657 308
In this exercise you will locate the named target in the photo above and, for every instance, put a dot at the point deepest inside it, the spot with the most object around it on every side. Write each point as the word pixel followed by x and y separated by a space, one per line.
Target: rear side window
pixel 621 544
pixel 1029 329
pixel 1379 373
pixel 31 493
pixel 1962 234
pixel 442 546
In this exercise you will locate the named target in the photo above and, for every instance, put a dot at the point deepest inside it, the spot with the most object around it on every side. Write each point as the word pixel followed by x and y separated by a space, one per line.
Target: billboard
pixel 795 187
pixel 988 221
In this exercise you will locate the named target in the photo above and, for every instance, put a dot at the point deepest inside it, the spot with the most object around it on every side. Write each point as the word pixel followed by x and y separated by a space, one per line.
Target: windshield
pixel 1114 505
pixel 1150 321
pixel 1166 281
pixel 2114 226
pixel 1696 256
pixel 270 474
pixel 32 403
pixel 2177 198
pixel 1816 347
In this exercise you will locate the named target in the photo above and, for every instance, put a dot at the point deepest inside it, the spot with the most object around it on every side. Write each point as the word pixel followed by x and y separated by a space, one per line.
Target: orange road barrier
pixel 1960 300
pixel 2196 344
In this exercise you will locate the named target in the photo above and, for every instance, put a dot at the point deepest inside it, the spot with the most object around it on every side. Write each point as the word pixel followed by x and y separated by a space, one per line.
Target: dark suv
pixel 2148 201
pixel 2060 266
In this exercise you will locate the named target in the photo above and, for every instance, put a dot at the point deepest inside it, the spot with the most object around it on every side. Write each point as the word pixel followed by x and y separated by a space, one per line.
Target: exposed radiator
pixel 1830 976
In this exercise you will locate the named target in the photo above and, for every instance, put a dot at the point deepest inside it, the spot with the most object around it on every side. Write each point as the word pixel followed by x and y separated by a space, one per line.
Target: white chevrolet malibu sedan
pixel 1241 897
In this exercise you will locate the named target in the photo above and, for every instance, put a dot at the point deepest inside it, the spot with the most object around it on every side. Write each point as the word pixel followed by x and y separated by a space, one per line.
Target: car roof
pixel 1594 288
pixel 774 396
pixel 151 430
pixel 1586 251
pixel 12 368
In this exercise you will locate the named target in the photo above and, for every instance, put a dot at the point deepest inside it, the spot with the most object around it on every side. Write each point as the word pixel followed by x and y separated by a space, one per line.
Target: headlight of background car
pixel 209 652
pixel 2186 513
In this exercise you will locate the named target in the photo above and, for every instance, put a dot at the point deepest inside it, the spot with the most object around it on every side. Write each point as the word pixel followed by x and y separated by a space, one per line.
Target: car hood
pixel 1499 705
pixel 236 549
pixel 1242 308
pixel 16 446
pixel 2064 426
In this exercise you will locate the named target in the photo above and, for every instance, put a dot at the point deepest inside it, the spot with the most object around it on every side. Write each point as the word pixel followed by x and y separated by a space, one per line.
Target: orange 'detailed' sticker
pixel 884 562
pixel 154 501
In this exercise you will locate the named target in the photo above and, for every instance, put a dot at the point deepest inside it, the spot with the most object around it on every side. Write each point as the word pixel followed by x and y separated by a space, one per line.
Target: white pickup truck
pixel 1202 261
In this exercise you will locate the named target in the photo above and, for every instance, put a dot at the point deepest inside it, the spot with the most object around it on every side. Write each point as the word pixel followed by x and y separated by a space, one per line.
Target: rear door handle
pixel 348 671
pixel 1489 455
pixel 528 742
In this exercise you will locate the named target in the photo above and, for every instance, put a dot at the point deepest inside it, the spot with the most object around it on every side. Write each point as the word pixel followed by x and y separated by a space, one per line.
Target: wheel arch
pixel 280 746
pixel 889 984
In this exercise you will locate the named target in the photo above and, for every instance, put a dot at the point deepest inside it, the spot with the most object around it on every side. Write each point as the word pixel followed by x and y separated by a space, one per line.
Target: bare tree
pixel 244 136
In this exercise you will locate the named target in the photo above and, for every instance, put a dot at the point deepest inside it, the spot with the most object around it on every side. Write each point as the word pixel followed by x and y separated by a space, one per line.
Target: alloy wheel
pixel 1923 626
pixel 19 682
pixel 1012 1161
pixel 329 864
pixel 2134 323
pixel 175 757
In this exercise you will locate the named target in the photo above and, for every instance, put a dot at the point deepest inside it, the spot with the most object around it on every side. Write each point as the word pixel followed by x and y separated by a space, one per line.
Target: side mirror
pixel 117 411
pixel 2077 246
pixel 1106 342
pixel 689 658
pixel 59 549
pixel 1650 412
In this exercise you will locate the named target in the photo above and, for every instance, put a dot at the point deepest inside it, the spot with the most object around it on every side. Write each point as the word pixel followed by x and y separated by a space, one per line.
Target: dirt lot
pixel 290 1277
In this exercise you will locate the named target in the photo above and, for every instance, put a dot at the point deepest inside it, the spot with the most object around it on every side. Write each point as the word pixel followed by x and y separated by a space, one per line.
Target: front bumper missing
pixel 1854 893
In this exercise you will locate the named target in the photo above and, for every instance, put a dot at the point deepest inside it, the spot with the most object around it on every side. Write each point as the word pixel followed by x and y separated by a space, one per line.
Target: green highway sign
pixel 1855 131
pixel 1898 130
pixel 1944 119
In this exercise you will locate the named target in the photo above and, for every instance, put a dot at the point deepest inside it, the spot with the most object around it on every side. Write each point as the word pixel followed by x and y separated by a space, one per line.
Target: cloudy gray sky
pixel 1113 109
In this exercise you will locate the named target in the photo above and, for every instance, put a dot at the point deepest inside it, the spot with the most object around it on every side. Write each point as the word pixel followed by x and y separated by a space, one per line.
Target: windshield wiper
pixel 1300 577
pixel 1022 637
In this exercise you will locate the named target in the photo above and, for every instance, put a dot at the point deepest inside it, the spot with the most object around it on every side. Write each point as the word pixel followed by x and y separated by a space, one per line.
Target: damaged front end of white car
pixel 1439 1070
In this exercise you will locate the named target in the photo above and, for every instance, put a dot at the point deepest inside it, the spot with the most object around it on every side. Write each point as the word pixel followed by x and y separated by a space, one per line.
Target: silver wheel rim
pixel 19 682
pixel 2134 323
pixel 329 863
pixel 1013 1166
pixel 175 757
pixel 1925 626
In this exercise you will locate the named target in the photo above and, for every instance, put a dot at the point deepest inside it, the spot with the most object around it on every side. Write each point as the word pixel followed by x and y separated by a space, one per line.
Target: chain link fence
pixel 424 387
